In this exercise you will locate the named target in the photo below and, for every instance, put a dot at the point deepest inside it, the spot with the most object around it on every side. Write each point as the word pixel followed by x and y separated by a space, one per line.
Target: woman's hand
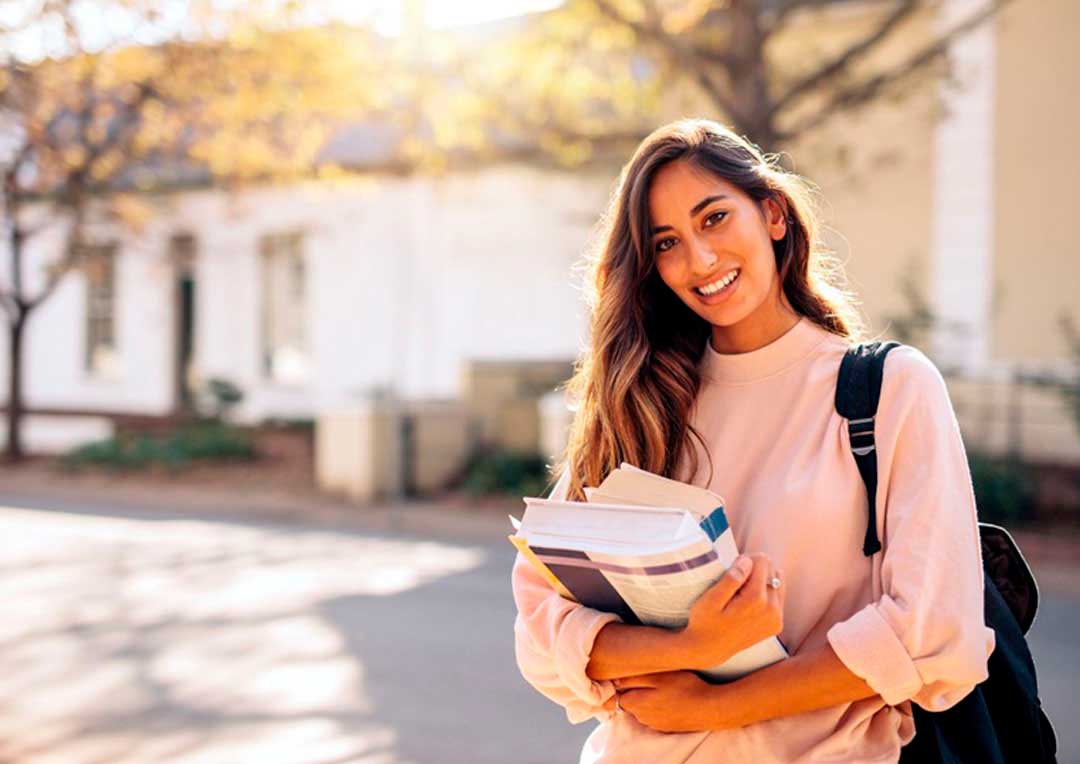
pixel 738 611
pixel 671 701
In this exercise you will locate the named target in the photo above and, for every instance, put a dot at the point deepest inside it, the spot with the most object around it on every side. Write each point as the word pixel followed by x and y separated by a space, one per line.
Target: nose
pixel 703 259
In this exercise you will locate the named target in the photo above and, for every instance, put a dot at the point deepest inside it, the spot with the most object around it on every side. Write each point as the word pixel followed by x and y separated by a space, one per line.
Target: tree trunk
pixel 13 452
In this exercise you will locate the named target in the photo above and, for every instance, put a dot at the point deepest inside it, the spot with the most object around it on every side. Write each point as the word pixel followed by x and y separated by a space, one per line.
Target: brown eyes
pixel 710 220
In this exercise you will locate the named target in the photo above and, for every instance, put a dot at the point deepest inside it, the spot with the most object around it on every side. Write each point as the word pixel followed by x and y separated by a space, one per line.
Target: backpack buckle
pixel 862 428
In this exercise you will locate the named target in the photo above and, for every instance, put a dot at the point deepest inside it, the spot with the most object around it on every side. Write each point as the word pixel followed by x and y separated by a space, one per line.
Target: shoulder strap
pixel 858 388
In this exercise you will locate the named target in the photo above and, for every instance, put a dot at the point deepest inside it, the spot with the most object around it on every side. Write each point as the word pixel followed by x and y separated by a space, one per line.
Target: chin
pixel 726 316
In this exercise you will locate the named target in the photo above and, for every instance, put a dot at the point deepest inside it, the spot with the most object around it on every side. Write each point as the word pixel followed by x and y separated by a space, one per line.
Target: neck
pixel 754 331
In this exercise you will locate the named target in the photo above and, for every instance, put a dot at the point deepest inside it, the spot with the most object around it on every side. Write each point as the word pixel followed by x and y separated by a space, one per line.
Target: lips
pixel 717 284
pixel 722 294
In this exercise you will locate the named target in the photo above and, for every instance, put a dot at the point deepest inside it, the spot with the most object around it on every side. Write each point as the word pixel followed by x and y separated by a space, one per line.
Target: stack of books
pixel 642 546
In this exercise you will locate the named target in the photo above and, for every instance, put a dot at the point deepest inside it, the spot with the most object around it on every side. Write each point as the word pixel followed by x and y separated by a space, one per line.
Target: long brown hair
pixel 633 389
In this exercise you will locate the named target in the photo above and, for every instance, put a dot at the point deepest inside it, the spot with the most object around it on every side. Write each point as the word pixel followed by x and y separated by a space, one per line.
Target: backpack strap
pixel 858 388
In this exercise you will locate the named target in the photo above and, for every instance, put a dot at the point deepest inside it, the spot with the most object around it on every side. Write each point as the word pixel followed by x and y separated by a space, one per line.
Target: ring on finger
pixel 774 582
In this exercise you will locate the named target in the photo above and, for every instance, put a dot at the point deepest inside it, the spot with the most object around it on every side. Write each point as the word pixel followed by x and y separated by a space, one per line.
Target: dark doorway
pixel 182 254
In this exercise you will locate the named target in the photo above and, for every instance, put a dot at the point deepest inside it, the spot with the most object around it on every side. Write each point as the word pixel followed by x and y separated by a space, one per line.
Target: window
pixel 99 268
pixel 284 308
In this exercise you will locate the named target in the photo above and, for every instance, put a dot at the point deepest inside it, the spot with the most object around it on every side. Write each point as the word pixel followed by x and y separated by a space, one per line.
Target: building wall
pixel 962 243
pixel 54 370
pixel 960 193
pixel 407 278
pixel 1037 170
pixel 874 166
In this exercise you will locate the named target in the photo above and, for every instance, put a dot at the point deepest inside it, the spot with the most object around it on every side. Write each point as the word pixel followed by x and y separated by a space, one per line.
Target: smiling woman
pixel 695 203
pixel 717 336
pixel 715 252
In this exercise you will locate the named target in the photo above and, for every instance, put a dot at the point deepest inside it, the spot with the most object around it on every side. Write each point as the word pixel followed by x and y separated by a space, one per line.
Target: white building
pixel 309 295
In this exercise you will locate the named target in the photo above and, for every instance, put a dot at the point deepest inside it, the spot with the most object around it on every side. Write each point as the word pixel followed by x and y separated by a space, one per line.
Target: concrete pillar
pixel 358 450
pixel 555 417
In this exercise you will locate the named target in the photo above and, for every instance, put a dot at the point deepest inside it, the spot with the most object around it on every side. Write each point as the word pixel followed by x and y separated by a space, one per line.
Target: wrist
pixel 717 705
pixel 699 652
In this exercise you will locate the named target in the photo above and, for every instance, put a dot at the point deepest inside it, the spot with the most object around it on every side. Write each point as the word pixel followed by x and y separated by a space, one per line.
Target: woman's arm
pixel 552 640
pixel 805 682
pixel 623 650
pixel 680 701
pixel 734 613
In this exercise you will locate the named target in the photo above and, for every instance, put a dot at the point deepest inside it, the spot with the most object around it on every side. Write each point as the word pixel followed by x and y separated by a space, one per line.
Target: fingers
pixel 782 589
pixel 754 588
pixel 775 597
pixel 759 596
pixel 625 699
pixel 624 684
pixel 635 682
pixel 731 581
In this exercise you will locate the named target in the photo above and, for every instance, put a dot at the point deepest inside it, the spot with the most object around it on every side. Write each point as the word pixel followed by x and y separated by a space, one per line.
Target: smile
pixel 720 284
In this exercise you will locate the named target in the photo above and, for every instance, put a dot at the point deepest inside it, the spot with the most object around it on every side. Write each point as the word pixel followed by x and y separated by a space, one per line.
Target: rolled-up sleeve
pixel 553 637
pixel 925 639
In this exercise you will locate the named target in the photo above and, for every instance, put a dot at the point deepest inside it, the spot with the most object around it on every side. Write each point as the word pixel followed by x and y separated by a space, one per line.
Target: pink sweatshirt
pixel 909 620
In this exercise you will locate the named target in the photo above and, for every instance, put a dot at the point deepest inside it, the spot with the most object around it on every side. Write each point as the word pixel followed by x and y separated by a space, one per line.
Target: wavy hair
pixel 633 388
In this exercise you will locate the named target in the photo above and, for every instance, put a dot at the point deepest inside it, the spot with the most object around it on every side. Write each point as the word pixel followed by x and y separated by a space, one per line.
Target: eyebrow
pixel 695 210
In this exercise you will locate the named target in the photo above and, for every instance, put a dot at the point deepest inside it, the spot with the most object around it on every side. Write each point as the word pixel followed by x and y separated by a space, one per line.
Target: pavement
pixel 197 627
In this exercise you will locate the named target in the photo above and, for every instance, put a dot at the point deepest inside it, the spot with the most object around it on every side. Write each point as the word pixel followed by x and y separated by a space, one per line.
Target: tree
pixel 596 73
pixel 87 125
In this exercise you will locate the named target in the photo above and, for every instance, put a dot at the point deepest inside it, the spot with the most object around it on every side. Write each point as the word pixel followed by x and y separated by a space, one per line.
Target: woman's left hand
pixel 669 701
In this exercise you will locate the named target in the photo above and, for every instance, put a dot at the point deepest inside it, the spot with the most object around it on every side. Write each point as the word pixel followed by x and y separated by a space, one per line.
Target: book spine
pixel 715 523
pixel 587 583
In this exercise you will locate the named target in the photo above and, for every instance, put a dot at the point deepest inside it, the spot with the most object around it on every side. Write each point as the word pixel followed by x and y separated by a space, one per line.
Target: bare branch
pixel 861 93
pixel 687 56
pixel 28 232
pixel 783 13
pixel 48 289
pixel 73 249
pixel 829 71
pixel 80 179
pixel 9 304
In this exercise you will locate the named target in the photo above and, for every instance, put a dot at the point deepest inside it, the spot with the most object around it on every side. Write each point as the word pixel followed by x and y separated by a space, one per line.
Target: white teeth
pixel 719 284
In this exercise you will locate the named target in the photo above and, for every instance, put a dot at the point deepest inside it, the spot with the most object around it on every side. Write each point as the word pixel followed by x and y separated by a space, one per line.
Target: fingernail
pixel 742 565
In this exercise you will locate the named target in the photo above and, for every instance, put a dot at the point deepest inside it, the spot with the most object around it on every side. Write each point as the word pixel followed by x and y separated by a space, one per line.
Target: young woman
pixel 717 336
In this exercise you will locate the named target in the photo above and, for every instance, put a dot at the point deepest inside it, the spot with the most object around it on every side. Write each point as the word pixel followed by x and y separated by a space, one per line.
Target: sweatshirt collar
pixel 786 350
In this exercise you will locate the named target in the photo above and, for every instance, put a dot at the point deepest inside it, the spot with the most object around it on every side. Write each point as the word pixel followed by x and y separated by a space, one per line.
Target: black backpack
pixel 1001 721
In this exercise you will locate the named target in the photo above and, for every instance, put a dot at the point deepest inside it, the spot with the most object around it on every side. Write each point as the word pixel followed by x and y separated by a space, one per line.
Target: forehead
pixel 678 186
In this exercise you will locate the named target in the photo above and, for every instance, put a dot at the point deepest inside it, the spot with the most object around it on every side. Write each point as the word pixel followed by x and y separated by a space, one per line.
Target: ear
pixel 776 213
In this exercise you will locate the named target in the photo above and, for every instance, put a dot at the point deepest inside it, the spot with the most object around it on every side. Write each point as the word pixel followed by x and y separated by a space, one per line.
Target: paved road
pixel 134 637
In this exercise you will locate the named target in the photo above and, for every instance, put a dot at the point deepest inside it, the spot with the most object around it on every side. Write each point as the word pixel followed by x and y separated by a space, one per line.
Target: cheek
pixel 763 269
pixel 669 272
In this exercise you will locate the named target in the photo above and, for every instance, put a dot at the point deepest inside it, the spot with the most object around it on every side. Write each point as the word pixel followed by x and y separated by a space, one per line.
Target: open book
pixel 644 547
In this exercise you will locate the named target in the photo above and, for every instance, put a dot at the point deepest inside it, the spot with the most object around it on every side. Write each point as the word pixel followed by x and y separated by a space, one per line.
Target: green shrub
pixel 204 441
pixel 295 424
pixel 223 394
pixel 1004 489
pixel 520 474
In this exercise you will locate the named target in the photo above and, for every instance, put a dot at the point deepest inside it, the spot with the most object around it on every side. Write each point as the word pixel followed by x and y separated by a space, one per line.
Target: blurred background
pixel 289 291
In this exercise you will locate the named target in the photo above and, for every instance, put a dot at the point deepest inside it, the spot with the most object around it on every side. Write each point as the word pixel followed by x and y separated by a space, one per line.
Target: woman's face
pixel 709 235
